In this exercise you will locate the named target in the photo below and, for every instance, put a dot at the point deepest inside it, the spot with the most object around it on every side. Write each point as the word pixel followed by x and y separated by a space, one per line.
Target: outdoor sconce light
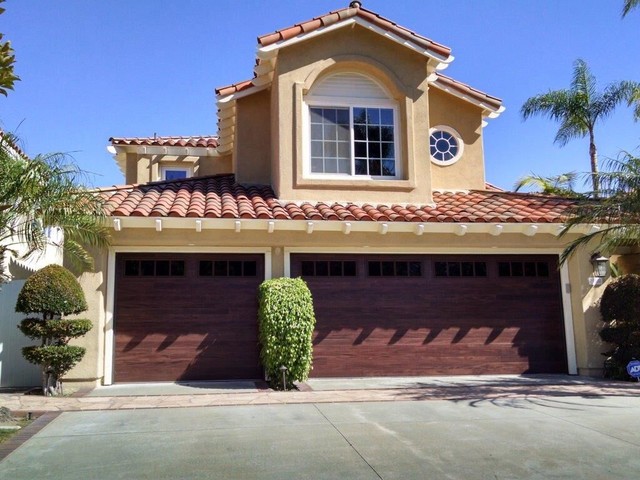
pixel 600 265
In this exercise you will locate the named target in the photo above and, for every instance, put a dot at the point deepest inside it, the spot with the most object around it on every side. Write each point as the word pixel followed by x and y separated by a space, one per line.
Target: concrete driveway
pixel 533 437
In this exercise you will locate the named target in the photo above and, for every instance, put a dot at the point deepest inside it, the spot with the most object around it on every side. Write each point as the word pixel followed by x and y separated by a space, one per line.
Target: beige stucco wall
pixel 466 119
pixel 143 168
pixel 403 74
pixel 583 298
pixel 89 372
pixel 252 147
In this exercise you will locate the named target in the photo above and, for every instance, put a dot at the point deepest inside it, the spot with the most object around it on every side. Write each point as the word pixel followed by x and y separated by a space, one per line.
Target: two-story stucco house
pixel 352 161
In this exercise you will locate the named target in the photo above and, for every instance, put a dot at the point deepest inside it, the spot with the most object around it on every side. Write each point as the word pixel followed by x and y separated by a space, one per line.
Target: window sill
pixel 356 184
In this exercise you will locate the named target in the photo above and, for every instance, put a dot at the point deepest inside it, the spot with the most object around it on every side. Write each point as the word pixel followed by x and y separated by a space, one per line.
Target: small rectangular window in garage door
pixel 154 268
pixel 394 269
pixel 328 268
pixel 460 269
pixel 228 268
pixel 523 269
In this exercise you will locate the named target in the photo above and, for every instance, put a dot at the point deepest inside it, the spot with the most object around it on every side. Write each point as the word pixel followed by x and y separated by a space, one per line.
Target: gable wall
pixel 466 119
pixel 351 48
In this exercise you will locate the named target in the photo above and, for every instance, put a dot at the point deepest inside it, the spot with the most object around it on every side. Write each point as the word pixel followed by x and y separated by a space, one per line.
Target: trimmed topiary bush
pixel 286 321
pixel 620 309
pixel 52 292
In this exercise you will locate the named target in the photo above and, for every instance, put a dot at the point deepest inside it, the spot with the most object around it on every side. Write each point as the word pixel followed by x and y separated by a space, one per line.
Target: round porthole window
pixel 445 146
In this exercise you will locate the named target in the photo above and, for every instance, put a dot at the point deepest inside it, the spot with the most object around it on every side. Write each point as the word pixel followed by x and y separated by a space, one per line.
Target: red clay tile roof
pixel 220 196
pixel 346 13
pixel 330 19
pixel 447 82
pixel 234 88
pixel 202 141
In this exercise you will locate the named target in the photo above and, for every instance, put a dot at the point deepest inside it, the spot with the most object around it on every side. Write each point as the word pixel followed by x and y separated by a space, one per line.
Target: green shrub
pixel 620 309
pixel 53 292
pixel 63 329
pixel 286 321
pixel 55 358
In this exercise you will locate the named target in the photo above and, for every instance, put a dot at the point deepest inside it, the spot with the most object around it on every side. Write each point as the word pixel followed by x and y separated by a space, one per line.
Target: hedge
pixel 286 322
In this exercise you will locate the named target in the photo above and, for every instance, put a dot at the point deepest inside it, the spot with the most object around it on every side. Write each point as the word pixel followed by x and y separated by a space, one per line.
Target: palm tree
pixel 628 6
pixel 579 108
pixel 558 185
pixel 617 210
pixel 45 192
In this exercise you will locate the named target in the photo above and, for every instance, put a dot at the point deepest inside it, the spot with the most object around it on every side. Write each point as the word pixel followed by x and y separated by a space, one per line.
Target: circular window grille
pixel 445 147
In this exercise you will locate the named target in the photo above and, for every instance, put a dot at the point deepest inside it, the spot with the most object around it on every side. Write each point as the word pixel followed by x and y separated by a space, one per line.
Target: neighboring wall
pixel 15 371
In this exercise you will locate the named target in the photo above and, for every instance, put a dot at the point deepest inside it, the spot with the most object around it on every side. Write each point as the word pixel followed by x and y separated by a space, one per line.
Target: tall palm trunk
pixel 593 153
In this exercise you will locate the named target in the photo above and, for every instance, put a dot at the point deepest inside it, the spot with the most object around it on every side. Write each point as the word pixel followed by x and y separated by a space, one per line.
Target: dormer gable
pixel 315 78
pixel 152 159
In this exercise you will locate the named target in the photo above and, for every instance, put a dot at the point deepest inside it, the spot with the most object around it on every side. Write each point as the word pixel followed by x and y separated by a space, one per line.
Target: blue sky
pixel 94 69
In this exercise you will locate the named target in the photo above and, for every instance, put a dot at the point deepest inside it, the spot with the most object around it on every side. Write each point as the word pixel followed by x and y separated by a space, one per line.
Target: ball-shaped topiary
pixel 52 290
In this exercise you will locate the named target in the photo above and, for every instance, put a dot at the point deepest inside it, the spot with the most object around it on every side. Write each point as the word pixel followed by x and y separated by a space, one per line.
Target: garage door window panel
pixel 154 268
pixel 394 269
pixel 328 268
pixel 460 269
pixel 227 268
pixel 523 269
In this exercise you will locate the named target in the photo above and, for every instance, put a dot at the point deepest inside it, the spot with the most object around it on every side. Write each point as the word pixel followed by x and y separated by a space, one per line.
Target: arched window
pixel 353 128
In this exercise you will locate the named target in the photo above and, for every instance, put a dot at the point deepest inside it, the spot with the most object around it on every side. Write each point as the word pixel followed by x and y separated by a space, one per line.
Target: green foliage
pixel 54 359
pixel 63 329
pixel 558 185
pixel 45 192
pixel 617 210
pixel 629 5
pixel 52 290
pixel 286 320
pixel 7 63
pixel 620 309
pixel 579 108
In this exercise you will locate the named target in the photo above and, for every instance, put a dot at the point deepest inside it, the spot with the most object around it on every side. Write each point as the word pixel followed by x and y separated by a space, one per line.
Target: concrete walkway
pixel 576 433
pixel 330 391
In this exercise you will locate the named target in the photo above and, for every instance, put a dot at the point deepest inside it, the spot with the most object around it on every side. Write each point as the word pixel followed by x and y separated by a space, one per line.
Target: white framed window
pixel 445 145
pixel 351 129
pixel 175 173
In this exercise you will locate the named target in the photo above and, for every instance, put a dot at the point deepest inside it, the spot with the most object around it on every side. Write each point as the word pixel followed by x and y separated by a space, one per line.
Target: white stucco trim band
pixel 270 224
pixel 109 337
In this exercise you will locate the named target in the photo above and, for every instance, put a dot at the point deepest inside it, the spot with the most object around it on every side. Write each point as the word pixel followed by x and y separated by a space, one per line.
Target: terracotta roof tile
pixel 195 141
pixel 447 82
pixel 346 13
pixel 219 196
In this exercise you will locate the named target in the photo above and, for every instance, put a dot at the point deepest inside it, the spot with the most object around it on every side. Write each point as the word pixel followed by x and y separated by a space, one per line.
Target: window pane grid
pixel 368 131
pixel 328 268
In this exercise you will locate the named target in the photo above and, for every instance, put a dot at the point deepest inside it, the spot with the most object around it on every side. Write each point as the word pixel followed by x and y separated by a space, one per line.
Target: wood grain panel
pixel 369 326
pixel 189 327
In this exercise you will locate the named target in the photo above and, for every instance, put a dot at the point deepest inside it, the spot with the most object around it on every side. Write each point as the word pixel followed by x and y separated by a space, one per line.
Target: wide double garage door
pixel 434 314
pixel 194 316
pixel 186 317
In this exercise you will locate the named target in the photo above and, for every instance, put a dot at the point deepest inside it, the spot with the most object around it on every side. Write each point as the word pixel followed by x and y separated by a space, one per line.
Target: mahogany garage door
pixel 434 314
pixel 186 317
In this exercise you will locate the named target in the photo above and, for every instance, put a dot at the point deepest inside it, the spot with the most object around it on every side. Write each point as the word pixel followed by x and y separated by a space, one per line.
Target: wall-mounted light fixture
pixel 600 265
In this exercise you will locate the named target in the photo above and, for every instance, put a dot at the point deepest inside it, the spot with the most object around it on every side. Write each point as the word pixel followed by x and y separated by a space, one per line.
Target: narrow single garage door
pixel 434 315
pixel 186 317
